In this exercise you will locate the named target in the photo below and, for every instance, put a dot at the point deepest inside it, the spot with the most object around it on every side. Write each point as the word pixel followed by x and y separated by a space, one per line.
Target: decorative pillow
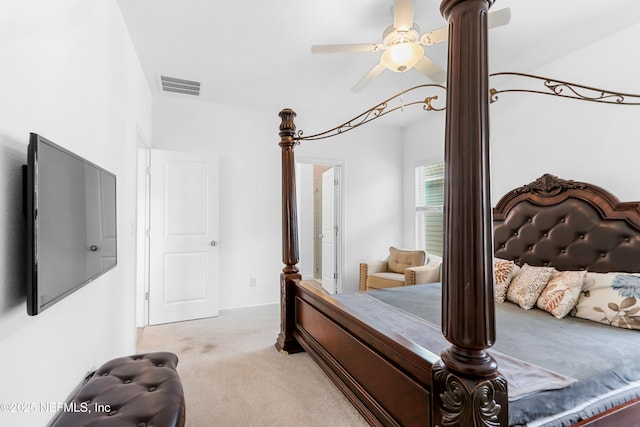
pixel 401 259
pixel 561 293
pixel 528 284
pixel 503 272
pixel 611 298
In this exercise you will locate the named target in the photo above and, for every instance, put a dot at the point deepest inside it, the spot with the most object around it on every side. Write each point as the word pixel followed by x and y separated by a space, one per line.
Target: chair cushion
pixel 384 280
pixel 401 259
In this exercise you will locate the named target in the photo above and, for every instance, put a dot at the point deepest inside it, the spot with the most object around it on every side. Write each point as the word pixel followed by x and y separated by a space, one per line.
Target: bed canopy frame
pixel 466 387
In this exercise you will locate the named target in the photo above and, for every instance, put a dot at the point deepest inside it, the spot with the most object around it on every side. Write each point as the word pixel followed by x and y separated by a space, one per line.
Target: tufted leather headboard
pixel 569 225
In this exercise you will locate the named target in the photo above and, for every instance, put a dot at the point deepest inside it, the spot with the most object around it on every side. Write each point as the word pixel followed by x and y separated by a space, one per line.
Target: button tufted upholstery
pixel 581 228
pixel 143 390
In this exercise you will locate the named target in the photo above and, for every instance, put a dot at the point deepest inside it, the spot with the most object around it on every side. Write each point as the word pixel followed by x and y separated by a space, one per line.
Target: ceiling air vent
pixel 172 84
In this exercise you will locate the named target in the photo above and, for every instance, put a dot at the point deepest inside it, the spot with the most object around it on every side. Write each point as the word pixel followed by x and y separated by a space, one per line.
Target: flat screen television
pixel 71 223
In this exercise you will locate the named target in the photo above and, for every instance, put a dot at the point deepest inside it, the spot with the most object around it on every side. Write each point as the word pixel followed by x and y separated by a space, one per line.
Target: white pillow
pixel 612 299
pixel 528 284
pixel 503 272
pixel 561 293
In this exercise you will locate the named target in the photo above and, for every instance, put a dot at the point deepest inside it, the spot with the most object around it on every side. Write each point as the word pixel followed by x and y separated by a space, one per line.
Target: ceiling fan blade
pixel 371 75
pixel 499 17
pixel 436 36
pixel 495 19
pixel 346 48
pixel 432 70
pixel 403 14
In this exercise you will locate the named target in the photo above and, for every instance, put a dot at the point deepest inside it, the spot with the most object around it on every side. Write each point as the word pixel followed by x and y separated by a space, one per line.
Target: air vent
pixel 172 84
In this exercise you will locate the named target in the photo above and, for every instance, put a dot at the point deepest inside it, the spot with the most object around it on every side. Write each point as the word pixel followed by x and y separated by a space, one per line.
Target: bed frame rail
pixel 386 377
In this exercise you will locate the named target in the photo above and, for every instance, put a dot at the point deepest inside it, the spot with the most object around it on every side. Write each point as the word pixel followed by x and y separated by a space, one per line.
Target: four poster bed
pixel 447 355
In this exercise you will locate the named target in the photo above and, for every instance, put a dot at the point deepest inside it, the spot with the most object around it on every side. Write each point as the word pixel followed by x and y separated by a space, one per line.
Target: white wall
pixel 305 202
pixel 423 142
pixel 535 134
pixel 372 191
pixel 584 141
pixel 69 73
pixel 250 202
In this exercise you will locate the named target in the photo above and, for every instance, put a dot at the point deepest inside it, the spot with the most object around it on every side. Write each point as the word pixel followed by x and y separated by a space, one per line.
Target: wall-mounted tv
pixel 71 223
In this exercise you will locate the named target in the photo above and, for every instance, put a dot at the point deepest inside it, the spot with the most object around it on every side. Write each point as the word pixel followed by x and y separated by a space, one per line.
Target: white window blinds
pixel 429 200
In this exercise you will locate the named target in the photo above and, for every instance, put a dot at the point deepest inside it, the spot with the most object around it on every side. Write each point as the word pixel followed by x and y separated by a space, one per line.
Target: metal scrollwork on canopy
pixel 395 103
pixel 437 102
pixel 565 89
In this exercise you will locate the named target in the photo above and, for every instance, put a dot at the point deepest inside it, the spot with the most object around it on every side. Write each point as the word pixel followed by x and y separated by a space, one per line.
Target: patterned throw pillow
pixel 503 272
pixel 528 284
pixel 561 293
pixel 611 298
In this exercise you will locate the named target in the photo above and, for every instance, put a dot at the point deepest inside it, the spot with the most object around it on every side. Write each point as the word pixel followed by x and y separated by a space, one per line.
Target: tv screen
pixel 71 223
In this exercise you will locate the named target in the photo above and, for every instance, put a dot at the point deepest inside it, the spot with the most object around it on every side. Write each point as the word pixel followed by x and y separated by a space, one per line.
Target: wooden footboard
pixel 386 377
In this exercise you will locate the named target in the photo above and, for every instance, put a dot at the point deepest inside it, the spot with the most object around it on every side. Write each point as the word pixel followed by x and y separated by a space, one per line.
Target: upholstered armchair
pixel 403 267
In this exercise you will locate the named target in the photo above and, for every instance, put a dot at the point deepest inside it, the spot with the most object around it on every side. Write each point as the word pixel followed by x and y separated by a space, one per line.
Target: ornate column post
pixel 285 342
pixel 467 389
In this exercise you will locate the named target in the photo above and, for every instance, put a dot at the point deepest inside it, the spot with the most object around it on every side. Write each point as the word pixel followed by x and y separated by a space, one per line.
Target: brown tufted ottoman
pixel 138 391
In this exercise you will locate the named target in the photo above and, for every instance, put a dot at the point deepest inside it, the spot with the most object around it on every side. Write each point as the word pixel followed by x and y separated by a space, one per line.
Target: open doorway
pixel 320 222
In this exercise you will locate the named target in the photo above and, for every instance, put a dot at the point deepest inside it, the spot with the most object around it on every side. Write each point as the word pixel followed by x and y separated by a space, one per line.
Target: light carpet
pixel 233 376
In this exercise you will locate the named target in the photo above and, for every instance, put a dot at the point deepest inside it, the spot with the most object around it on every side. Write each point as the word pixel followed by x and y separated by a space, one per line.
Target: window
pixel 429 186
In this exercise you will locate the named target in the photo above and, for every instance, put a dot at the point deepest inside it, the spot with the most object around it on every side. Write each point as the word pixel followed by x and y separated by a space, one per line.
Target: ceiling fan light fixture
pixel 402 56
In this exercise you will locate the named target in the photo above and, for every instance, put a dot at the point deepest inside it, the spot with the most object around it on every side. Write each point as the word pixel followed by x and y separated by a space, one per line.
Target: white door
pixel 329 271
pixel 183 232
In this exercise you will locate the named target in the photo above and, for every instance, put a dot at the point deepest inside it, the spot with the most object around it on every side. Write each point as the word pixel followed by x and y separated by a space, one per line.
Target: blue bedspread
pixel 605 360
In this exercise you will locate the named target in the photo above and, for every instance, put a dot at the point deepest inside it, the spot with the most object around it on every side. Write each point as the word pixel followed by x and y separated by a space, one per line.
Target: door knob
pixel 214 243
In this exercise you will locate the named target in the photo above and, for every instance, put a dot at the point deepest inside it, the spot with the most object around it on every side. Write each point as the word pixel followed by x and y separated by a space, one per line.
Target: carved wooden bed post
pixel 285 341
pixel 467 388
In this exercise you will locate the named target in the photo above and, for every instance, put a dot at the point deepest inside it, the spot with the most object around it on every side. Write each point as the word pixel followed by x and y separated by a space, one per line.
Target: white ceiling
pixel 256 53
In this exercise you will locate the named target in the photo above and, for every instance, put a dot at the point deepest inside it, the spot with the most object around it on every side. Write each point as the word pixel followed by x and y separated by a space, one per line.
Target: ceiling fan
pixel 402 45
